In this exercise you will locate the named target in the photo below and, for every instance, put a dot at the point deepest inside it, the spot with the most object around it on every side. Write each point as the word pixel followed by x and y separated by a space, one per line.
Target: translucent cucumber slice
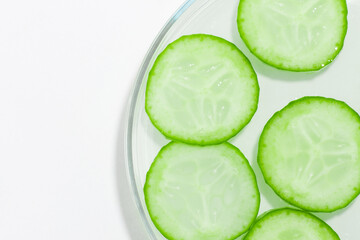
pixel 201 90
pixel 309 154
pixel 201 192
pixel 295 35
pixel 290 224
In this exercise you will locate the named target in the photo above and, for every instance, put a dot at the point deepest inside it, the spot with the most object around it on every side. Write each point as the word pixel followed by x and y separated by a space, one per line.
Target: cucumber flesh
pixel 293 35
pixel 309 154
pixel 201 192
pixel 201 90
pixel 290 224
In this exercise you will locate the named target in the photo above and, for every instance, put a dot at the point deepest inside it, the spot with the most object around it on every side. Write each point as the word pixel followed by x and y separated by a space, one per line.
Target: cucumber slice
pixel 201 192
pixel 309 154
pixel 201 90
pixel 294 35
pixel 290 224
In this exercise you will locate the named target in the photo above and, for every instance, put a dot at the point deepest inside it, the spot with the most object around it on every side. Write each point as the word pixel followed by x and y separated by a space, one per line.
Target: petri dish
pixel 339 80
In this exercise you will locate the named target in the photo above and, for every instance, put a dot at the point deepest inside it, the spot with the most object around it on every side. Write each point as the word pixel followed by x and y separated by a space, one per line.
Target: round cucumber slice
pixel 290 224
pixel 309 154
pixel 293 35
pixel 201 90
pixel 201 192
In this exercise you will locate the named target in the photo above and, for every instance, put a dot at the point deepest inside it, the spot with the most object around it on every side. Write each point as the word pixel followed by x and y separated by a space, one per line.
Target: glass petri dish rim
pixel 302 89
pixel 131 109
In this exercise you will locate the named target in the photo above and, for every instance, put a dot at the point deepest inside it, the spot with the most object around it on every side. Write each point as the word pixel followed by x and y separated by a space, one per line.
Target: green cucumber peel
pixel 201 90
pixel 309 154
pixel 201 192
pixel 293 35
pixel 290 224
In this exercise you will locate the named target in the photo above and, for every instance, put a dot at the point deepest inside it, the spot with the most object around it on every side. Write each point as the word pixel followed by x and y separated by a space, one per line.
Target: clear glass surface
pixel 340 80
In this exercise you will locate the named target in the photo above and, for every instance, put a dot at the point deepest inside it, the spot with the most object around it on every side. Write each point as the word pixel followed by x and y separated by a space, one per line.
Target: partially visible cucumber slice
pixel 201 192
pixel 201 90
pixel 309 154
pixel 290 224
pixel 296 35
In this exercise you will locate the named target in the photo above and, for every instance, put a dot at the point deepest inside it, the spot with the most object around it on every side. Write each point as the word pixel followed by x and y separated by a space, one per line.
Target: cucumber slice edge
pixel 189 140
pixel 293 201
pixel 232 148
pixel 316 67
pixel 271 212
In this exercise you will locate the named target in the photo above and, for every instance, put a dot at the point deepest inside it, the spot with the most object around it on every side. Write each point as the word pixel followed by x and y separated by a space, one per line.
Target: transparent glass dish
pixel 340 80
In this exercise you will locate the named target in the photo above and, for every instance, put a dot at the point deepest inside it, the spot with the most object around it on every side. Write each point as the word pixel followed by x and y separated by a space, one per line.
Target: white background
pixel 66 70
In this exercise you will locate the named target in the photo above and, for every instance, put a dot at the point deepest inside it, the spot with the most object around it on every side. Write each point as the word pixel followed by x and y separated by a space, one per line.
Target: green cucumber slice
pixel 290 224
pixel 201 90
pixel 201 192
pixel 293 35
pixel 309 154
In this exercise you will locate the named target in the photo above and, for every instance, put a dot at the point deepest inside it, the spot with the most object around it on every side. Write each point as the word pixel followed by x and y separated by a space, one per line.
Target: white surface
pixel 66 69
